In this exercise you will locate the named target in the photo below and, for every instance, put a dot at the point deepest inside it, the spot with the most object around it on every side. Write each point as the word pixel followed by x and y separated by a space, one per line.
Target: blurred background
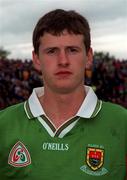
pixel 108 22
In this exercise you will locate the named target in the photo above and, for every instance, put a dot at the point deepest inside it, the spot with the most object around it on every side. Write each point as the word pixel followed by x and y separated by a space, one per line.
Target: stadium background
pixel 107 19
pixel 107 76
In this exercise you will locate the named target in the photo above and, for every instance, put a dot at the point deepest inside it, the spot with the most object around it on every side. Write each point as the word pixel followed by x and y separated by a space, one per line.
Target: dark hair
pixel 56 21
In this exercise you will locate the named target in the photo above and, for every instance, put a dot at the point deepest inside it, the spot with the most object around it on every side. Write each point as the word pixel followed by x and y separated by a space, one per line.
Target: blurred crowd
pixel 18 78
pixel 109 78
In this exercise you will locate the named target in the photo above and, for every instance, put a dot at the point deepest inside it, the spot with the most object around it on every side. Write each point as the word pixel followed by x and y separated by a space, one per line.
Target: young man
pixel 63 131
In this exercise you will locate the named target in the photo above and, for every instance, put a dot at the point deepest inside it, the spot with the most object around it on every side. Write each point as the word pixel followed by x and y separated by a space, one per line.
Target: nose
pixel 63 59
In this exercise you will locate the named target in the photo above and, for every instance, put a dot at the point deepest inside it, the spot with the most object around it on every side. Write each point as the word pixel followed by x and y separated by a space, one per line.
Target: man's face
pixel 62 60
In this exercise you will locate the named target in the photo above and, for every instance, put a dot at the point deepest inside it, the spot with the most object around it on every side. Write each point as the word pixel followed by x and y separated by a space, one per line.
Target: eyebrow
pixel 49 48
pixel 55 47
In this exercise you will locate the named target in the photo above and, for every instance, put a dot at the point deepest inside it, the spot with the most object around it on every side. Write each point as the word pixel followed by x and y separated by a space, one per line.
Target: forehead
pixel 65 38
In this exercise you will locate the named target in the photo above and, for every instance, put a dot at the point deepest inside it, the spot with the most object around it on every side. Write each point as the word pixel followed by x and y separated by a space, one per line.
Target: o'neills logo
pixel 19 156
pixel 55 146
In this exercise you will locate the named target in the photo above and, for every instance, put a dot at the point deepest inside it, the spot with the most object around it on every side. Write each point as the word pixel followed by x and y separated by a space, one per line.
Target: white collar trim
pixel 89 104
pixel 86 110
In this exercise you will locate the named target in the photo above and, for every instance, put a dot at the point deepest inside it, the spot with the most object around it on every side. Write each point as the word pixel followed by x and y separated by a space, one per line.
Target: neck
pixel 62 106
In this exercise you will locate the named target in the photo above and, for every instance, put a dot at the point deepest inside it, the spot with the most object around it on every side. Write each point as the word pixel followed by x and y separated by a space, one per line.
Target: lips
pixel 63 73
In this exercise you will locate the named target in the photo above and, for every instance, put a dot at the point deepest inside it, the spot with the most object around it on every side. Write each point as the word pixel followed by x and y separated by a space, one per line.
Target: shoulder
pixel 111 107
pixel 12 112
pixel 114 117
pixel 114 111
pixel 12 109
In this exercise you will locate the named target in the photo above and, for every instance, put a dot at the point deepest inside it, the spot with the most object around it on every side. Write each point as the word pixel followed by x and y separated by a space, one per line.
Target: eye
pixel 51 51
pixel 73 50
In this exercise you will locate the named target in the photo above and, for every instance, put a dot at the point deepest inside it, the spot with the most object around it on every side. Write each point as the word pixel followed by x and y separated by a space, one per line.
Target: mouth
pixel 63 74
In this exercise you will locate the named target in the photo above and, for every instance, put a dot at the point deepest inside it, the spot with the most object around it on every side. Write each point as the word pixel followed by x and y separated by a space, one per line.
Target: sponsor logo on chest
pixel 55 146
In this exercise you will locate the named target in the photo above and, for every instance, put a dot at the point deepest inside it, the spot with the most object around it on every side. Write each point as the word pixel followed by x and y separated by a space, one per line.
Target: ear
pixel 36 61
pixel 89 62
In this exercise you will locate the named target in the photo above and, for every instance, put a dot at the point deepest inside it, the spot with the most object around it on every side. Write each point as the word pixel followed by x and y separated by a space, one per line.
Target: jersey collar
pixel 89 108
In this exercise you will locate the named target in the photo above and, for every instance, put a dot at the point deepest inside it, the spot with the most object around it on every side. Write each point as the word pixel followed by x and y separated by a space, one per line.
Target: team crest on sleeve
pixel 19 156
pixel 94 162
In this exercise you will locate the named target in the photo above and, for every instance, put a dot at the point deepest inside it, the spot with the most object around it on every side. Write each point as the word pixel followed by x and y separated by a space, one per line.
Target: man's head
pixel 62 50
pixel 55 22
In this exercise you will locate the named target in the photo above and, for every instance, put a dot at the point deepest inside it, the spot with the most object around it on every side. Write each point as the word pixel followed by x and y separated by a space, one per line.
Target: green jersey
pixel 91 145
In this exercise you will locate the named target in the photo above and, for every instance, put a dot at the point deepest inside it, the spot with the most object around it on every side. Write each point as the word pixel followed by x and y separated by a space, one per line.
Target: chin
pixel 64 89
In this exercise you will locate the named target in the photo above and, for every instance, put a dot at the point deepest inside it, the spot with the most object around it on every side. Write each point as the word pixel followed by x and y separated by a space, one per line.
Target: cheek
pixel 80 64
pixel 79 70
pixel 81 67
pixel 47 69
